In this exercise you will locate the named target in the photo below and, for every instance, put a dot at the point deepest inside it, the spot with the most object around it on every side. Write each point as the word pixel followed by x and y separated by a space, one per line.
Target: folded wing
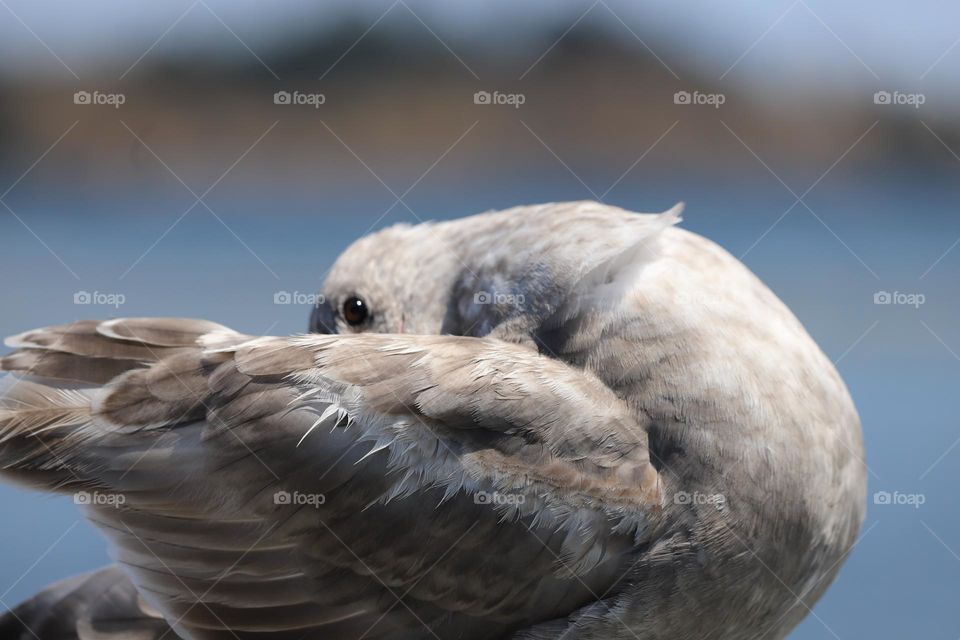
pixel 333 486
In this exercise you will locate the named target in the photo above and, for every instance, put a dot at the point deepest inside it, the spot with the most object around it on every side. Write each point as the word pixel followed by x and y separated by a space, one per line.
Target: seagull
pixel 557 421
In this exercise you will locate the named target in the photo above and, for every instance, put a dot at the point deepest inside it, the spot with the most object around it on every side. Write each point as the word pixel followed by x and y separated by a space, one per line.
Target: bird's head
pixel 509 272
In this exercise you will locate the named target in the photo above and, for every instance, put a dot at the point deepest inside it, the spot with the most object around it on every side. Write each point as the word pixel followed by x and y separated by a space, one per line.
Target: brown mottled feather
pixel 186 441
pixel 66 367
pixel 82 339
pixel 160 332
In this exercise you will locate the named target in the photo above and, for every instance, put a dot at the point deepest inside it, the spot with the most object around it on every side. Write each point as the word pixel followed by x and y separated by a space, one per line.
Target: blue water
pixel 900 581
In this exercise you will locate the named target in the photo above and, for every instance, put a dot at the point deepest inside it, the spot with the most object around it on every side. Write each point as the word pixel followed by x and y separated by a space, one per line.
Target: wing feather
pixel 262 476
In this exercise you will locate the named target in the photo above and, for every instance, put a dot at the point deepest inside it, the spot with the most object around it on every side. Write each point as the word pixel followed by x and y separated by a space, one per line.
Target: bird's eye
pixel 355 311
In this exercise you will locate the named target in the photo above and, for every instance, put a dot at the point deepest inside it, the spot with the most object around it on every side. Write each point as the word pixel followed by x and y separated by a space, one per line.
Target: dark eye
pixel 355 311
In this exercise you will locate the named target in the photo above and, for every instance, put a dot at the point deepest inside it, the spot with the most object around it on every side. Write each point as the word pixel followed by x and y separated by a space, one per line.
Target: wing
pixel 103 605
pixel 334 486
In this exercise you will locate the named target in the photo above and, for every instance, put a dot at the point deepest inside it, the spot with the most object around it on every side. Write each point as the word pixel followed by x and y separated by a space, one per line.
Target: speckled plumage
pixel 560 421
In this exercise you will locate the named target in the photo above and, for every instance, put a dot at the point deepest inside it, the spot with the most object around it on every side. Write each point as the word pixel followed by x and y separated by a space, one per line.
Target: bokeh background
pixel 819 143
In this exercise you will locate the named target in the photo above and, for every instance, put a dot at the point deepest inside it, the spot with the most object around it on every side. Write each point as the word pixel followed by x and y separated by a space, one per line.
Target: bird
pixel 553 421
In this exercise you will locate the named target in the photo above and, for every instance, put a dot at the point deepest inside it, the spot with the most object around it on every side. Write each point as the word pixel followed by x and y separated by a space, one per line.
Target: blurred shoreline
pixel 397 104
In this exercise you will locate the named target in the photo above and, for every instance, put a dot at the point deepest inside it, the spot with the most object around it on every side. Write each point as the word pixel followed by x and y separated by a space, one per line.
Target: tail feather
pixel 66 389
pixel 30 407
pixel 39 428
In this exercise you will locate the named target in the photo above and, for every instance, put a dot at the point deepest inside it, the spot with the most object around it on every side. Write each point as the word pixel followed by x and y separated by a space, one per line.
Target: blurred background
pixel 204 158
